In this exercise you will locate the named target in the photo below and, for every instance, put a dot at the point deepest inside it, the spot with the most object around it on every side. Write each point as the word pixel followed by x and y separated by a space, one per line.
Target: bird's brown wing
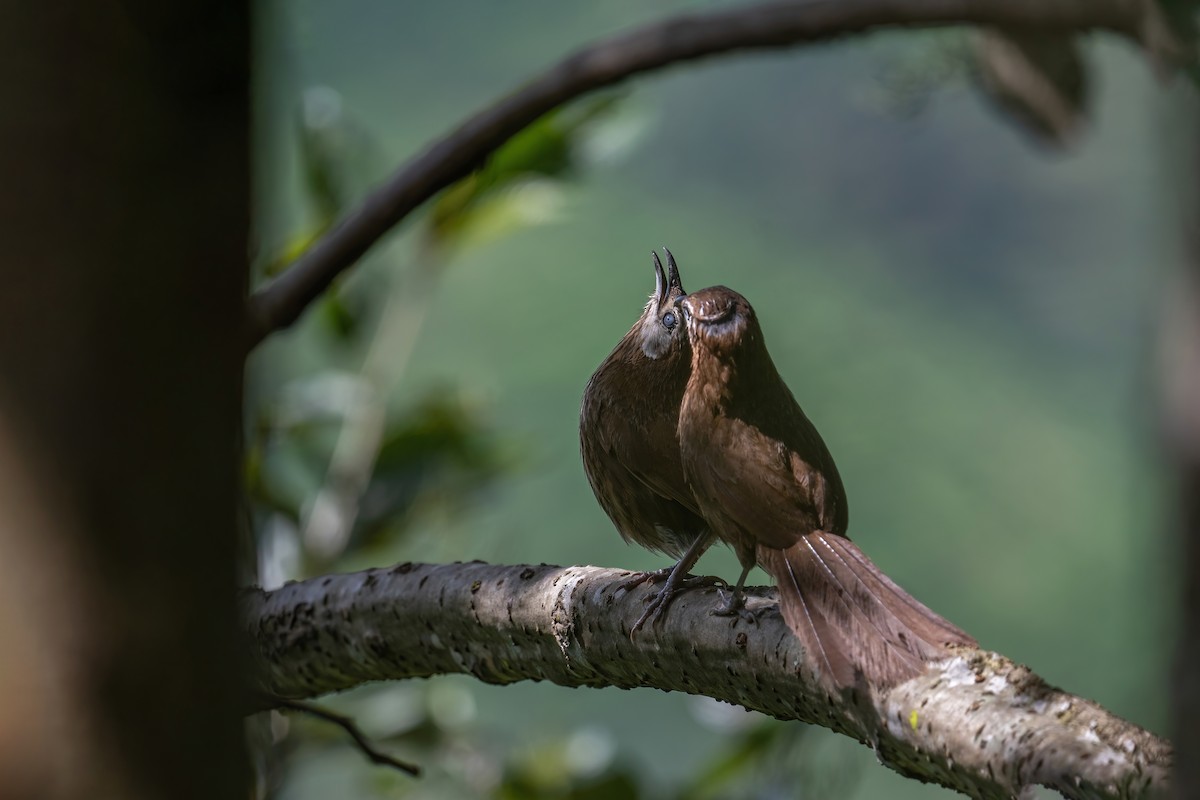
pixel 655 509
pixel 763 487
pixel 624 443
pixel 669 484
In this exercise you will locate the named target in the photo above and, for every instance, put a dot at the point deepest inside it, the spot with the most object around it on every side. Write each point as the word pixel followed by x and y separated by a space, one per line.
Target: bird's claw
pixel 658 576
pixel 656 607
pixel 656 604
pixel 655 577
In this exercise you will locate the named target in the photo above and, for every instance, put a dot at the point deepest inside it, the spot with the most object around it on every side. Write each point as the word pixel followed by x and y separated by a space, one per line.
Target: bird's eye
pixel 669 320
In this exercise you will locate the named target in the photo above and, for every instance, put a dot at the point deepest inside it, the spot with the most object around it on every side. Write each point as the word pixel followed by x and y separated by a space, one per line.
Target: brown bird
pixel 627 435
pixel 764 480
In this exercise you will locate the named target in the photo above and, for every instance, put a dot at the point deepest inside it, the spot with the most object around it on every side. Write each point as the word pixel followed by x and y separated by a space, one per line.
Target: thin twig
pixel 684 38
pixel 348 725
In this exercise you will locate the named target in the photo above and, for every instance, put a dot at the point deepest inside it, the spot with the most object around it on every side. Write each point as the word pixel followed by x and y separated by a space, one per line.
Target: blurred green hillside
pixel 967 318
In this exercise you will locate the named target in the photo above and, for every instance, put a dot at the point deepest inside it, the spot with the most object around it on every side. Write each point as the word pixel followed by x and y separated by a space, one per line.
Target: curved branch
pixel 683 38
pixel 976 722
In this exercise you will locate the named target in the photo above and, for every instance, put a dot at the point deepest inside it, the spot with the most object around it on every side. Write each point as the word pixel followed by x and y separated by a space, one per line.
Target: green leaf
pixel 741 756
pixel 545 150
pixel 439 454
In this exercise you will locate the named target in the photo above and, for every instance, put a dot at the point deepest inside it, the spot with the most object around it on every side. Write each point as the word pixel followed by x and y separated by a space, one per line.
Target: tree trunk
pixel 123 227
pixel 1181 424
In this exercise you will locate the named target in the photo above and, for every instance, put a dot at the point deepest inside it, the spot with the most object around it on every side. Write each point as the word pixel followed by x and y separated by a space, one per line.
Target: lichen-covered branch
pixel 654 46
pixel 976 722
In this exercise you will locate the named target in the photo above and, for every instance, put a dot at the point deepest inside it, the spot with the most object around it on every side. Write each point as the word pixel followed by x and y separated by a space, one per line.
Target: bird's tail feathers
pixel 852 618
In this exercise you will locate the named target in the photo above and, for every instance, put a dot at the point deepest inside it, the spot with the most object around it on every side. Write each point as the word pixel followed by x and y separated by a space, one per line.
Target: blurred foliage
pixel 434 456
pixel 765 758
pixel 437 452
pixel 337 158
pixel 966 322
pixel 612 786
pixel 909 79
pixel 742 755
pixel 549 148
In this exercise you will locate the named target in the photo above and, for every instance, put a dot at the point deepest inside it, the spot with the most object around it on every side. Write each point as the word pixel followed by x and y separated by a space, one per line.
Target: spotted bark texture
pixel 975 722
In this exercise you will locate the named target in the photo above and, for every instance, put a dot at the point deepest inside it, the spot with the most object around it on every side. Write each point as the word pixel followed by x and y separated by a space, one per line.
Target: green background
pixel 968 317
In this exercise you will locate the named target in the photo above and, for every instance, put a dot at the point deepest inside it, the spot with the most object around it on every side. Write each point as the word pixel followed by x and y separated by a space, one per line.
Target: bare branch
pixel 348 725
pixel 976 722
pixel 683 38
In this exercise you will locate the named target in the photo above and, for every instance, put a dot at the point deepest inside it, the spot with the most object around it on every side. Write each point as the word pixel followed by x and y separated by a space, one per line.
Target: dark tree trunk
pixel 123 251
pixel 1186 684
pixel 1182 426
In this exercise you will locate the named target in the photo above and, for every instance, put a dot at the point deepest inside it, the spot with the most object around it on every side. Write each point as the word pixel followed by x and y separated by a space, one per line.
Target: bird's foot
pixel 652 578
pixel 657 604
pixel 660 575
pixel 733 604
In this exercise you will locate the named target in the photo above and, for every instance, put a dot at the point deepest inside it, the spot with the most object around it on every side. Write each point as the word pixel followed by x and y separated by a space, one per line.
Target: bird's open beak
pixel 660 279
pixel 673 281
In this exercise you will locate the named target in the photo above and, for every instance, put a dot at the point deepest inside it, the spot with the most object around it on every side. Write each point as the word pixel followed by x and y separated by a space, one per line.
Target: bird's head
pixel 662 331
pixel 718 318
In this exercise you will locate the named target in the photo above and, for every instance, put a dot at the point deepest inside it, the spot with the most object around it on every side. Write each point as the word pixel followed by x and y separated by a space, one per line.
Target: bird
pixel 628 423
pixel 766 484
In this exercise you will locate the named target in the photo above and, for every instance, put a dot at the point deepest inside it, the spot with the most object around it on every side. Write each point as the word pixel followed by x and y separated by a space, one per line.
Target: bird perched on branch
pixel 766 484
pixel 627 436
